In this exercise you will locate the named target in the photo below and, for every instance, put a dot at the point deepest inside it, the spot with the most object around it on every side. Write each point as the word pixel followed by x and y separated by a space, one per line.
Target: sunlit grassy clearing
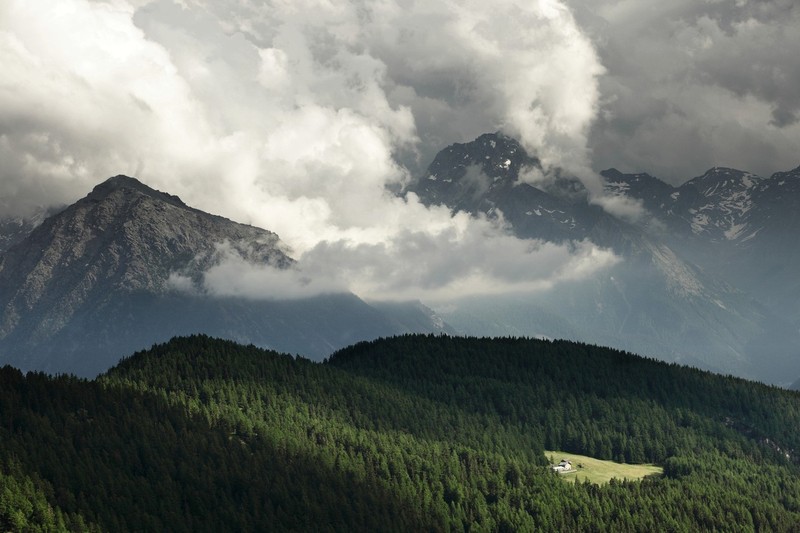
pixel 599 471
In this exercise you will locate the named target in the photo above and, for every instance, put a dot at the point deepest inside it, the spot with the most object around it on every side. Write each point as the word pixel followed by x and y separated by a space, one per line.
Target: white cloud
pixel 468 257
pixel 85 96
pixel 231 272
pixel 296 116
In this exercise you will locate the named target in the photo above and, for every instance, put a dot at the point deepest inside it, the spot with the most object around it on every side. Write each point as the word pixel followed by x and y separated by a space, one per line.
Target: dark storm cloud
pixel 690 85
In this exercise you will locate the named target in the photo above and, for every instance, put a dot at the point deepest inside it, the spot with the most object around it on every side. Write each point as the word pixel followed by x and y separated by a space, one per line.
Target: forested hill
pixel 611 404
pixel 415 433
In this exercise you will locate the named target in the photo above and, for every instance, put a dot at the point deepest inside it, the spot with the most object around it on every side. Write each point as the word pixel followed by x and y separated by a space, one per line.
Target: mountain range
pixel 741 226
pixel 707 274
pixel 708 271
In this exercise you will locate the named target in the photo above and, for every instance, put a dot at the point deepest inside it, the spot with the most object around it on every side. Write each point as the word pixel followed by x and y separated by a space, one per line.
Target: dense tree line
pixel 412 433
pixel 580 397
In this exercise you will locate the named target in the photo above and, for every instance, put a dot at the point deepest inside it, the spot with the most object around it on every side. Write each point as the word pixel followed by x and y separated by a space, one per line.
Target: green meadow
pixel 597 470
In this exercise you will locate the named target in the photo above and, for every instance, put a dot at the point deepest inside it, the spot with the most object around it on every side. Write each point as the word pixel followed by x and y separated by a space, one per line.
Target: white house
pixel 563 466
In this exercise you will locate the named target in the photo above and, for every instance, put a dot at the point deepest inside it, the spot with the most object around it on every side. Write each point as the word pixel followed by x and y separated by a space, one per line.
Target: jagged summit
pixel 121 182
pixel 495 175
pixel 461 173
pixel 129 235
pixel 717 204
pixel 723 181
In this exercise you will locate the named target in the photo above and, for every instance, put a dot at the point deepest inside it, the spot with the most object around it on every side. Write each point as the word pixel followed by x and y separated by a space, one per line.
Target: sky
pixel 299 115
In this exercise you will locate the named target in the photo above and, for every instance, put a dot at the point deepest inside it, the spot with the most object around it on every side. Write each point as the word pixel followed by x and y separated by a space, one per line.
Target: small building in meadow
pixel 563 466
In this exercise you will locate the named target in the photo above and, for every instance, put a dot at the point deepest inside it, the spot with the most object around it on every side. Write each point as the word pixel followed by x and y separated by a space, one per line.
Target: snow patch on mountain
pixel 734 231
pixel 728 199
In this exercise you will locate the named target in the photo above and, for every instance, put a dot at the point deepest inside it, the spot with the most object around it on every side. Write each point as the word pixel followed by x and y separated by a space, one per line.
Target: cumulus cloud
pixel 468 257
pixel 231 272
pixel 471 257
pixel 300 117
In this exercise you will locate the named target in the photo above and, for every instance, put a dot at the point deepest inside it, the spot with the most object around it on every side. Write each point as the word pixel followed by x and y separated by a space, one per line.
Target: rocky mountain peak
pixel 127 184
pixel 495 175
pixel 722 181
pixel 717 205
pixel 123 236
pixel 497 155
pixel 462 174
